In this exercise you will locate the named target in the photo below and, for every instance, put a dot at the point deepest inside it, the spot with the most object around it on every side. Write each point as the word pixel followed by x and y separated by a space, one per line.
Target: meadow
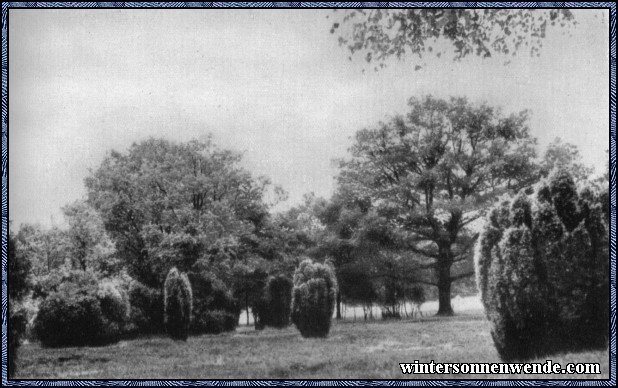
pixel 353 350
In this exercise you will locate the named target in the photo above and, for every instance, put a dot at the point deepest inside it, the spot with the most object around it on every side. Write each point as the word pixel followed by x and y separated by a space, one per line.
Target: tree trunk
pixel 444 282
pixel 338 305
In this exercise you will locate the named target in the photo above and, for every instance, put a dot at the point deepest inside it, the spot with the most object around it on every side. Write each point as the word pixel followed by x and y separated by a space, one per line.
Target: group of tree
pixel 178 237
pixel 421 179
pixel 160 205
pixel 397 228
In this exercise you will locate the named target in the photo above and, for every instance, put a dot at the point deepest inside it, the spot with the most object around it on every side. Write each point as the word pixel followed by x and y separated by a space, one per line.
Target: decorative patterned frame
pixel 612 119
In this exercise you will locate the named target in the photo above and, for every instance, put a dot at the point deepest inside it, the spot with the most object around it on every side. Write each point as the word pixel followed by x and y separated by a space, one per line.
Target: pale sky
pixel 273 84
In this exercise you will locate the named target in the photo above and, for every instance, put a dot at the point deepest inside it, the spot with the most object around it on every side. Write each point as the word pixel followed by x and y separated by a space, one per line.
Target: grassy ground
pixel 353 350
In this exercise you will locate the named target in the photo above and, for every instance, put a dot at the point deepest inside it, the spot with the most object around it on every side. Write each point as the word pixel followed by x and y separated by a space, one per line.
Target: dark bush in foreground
pixel 84 314
pixel 542 269
pixel 178 303
pixel 146 309
pixel 275 306
pixel 215 310
pixel 313 298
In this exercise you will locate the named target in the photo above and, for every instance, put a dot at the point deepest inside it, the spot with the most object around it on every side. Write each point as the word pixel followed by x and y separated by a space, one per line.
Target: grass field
pixel 353 350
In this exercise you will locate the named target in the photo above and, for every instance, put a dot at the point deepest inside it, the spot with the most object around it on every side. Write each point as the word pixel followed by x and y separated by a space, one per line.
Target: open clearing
pixel 353 350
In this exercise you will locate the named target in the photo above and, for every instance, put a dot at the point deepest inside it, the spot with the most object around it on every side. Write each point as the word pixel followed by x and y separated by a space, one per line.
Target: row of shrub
pixel 77 309
pixel 308 300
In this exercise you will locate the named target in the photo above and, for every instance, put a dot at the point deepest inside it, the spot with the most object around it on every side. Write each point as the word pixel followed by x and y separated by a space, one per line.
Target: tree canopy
pixel 559 155
pixel 171 204
pixel 429 174
pixel 84 245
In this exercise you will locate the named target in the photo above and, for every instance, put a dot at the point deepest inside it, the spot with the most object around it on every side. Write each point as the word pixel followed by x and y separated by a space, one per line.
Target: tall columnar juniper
pixel 542 269
pixel 273 308
pixel 178 304
pixel 313 298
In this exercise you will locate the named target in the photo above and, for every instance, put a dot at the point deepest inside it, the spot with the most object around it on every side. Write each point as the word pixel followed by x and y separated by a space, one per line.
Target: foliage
pixel 84 245
pixel 47 250
pixel 279 290
pixel 114 301
pixel 259 310
pixel 391 296
pixel 416 295
pixel 214 307
pixel 18 268
pixel 384 33
pixel 217 321
pixel 146 309
pixel 274 308
pixel 89 246
pixel 425 177
pixel 18 271
pixel 370 263
pixel 82 312
pixel 249 280
pixel 313 298
pixel 564 156
pixel 53 281
pixel 542 269
pixel 300 230
pixel 356 286
pixel 178 304
pixel 169 204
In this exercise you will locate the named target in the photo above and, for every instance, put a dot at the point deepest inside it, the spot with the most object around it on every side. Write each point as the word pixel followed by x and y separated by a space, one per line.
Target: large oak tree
pixel 431 173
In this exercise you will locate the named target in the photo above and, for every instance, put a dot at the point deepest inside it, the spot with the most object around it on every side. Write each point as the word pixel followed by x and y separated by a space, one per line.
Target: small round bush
pixel 542 270
pixel 178 303
pixel 313 298
pixel 82 312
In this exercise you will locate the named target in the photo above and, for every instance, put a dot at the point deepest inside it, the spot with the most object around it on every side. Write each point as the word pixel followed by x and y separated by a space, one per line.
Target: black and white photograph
pixel 308 192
